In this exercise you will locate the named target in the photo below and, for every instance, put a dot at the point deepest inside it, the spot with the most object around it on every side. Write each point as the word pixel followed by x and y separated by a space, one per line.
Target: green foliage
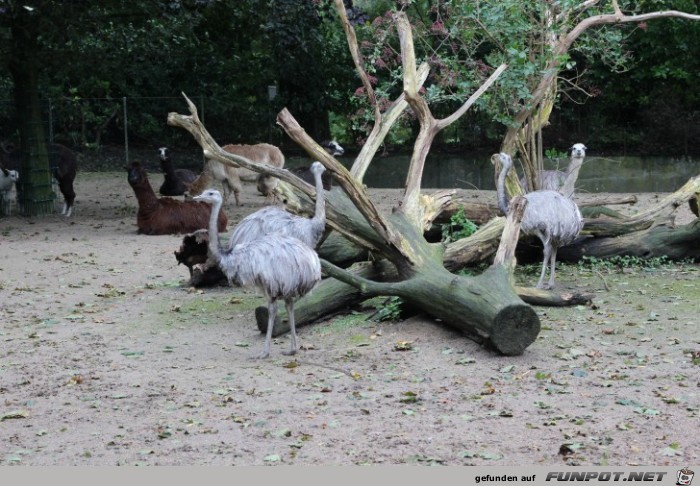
pixel 623 261
pixel 554 154
pixel 389 310
pixel 459 227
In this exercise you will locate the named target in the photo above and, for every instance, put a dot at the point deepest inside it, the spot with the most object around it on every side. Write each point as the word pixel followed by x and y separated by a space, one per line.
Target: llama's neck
pixel 568 187
pixel 144 193
pixel 168 167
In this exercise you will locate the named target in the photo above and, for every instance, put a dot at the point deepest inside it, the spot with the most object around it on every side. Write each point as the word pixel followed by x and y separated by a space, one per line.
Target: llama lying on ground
pixel 175 180
pixel 165 216
pixel 230 177
pixel 194 254
pixel 8 178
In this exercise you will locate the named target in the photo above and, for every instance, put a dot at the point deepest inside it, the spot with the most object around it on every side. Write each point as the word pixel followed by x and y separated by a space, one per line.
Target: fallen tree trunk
pixel 679 243
pixel 482 212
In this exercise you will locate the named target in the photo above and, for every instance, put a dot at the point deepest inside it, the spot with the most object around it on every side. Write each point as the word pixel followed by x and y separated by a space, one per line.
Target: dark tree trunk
pixel 35 191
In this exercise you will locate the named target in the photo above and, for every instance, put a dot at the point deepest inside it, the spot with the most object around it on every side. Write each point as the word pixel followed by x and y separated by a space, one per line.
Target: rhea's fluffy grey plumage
pixel 280 266
pixel 552 217
pixel 273 219
pixel 555 180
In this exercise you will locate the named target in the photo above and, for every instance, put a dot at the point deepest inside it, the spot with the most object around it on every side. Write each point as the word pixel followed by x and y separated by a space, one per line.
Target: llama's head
pixel 578 150
pixel 13 175
pixel 163 153
pixel 333 147
pixel 135 173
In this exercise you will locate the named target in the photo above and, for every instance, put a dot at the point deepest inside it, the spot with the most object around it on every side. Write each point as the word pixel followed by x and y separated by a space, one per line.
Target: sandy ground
pixel 106 358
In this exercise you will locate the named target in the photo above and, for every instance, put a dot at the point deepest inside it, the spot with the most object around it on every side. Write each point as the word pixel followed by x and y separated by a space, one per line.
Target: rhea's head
pixel 210 196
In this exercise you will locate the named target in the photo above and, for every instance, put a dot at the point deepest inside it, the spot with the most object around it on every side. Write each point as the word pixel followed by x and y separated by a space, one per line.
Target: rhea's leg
pixel 272 315
pixel 292 328
pixel 547 253
pixel 553 259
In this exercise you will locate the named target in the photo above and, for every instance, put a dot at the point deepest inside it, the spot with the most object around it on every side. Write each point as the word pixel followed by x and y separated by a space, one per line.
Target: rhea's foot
pixel 262 354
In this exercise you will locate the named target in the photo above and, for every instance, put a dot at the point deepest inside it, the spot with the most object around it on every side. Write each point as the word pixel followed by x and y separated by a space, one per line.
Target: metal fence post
pixel 126 133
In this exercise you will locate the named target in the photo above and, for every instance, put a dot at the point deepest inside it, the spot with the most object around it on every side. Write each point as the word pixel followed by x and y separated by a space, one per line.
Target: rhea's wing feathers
pixel 553 215
pixel 270 220
pixel 280 266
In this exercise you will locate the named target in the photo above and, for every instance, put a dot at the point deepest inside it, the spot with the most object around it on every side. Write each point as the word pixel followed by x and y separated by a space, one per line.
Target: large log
pixel 678 243
pixel 481 212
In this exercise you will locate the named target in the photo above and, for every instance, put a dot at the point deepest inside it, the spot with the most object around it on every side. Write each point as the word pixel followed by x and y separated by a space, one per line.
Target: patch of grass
pixel 126 210
pixel 341 323
pixel 619 262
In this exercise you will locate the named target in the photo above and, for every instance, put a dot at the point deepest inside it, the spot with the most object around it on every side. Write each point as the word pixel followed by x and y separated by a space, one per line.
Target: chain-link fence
pixel 108 133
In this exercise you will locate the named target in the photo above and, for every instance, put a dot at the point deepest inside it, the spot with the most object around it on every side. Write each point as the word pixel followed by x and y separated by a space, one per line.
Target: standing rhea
pixel 273 219
pixel 278 265
pixel 552 217
pixel 556 180
pixel 174 180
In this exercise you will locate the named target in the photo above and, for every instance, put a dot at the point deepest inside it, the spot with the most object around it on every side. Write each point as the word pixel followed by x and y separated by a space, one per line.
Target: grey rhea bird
pixel 280 266
pixel 273 219
pixel 554 218
pixel 557 180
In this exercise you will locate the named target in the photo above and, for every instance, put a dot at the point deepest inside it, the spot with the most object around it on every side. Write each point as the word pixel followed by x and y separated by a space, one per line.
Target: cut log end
pixel 515 327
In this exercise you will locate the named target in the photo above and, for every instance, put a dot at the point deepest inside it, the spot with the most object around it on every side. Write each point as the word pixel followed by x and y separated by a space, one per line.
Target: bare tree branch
pixel 429 126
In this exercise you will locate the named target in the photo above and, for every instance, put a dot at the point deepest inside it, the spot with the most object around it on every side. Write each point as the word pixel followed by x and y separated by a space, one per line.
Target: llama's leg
pixel 545 262
pixel 226 191
pixel 553 259
pixel 272 315
pixel 236 187
pixel 66 187
pixel 292 328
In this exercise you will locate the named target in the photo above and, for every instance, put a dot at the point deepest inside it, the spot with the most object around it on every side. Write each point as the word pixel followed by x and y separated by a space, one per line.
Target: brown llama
pixel 166 216
pixel 230 177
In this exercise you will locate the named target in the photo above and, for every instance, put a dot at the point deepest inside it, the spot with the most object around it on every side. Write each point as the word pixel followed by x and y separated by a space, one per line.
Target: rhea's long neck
pixel 214 245
pixel 320 210
pixel 501 190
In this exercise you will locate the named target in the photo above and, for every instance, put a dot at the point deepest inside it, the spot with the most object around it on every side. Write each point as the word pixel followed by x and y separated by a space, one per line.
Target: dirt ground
pixel 106 358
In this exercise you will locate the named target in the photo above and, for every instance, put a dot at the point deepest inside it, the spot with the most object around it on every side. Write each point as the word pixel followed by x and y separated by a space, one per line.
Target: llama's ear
pixel 5 171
